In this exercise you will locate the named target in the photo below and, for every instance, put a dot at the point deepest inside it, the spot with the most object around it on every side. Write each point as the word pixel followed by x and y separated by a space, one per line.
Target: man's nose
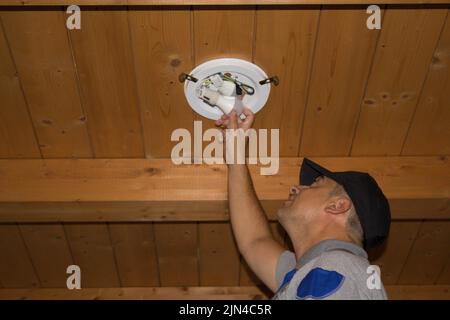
pixel 295 189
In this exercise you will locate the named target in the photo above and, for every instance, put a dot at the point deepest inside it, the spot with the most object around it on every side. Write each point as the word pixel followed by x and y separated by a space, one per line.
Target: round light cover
pixel 239 69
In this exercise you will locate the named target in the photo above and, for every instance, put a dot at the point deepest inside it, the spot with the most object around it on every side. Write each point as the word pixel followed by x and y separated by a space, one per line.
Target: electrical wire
pixel 245 87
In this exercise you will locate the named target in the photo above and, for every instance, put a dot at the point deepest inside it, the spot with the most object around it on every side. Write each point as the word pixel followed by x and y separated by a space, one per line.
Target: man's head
pixel 322 209
pixel 345 205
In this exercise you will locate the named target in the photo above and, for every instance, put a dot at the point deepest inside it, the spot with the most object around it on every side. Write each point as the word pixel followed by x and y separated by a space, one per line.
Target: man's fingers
pixel 233 122
pixel 247 112
pixel 249 117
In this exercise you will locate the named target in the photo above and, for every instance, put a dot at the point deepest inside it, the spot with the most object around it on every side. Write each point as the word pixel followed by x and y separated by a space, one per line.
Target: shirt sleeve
pixel 336 275
pixel 286 262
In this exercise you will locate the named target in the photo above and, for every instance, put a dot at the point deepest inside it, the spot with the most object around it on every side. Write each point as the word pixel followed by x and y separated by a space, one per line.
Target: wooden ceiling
pixel 111 89
pixel 375 100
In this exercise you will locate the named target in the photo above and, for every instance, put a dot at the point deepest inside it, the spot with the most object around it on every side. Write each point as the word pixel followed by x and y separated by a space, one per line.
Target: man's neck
pixel 302 245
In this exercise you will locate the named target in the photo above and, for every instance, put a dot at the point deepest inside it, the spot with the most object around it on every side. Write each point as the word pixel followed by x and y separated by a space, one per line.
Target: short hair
pixel 353 226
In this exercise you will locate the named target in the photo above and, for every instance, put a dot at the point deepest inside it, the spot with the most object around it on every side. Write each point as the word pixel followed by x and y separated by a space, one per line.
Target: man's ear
pixel 338 205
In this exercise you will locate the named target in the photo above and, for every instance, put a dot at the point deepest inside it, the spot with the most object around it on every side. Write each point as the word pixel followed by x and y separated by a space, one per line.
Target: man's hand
pixel 232 121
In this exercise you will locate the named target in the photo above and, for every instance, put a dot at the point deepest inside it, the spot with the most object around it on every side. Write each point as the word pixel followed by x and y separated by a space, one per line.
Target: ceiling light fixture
pixel 220 86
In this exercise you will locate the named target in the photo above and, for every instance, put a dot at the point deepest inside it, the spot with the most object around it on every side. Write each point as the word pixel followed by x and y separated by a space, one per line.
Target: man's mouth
pixel 289 200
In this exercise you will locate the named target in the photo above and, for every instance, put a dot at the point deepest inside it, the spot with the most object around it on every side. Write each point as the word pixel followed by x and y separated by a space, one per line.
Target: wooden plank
pixel 39 44
pixel 159 190
pixel 343 54
pixel 178 293
pixel 393 254
pixel 428 255
pixel 399 69
pixel 93 253
pixel 135 252
pixel 49 251
pixel 206 2
pixel 199 293
pixel 196 210
pixel 16 128
pixel 418 292
pixel 177 249
pixel 444 277
pixel 290 58
pixel 430 130
pixel 16 269
pixel 225 33
pixel 105 67
pixel 218 255
pixel 161 40
pixel 141 211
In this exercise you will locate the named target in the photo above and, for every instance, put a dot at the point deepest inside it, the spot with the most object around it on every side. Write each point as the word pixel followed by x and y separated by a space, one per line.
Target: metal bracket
pixel 183 77
pixel 273 80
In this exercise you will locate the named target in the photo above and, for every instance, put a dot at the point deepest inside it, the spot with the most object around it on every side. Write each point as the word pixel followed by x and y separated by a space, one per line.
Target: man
pixel 330 218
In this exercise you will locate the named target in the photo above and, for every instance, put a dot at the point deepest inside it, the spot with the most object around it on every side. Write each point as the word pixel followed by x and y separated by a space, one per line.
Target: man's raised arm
pixel 249 222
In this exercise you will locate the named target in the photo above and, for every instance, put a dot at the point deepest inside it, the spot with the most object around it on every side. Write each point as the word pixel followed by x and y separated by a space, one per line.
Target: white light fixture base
pixel 241 70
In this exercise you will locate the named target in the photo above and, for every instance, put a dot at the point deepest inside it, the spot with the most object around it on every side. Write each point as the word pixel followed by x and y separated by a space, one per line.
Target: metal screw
pixel 183 77
pixel 273 80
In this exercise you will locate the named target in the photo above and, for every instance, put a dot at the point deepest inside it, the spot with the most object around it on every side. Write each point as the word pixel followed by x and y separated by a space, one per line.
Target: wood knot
pixel 405 96
pixel 435 60
pixel 152 171
pixel 175 62
pixel 369 101
pixel 385 96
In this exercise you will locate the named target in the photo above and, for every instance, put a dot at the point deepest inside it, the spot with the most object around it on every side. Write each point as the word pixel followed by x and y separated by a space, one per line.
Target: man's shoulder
pixel 353 272
pixel 342 260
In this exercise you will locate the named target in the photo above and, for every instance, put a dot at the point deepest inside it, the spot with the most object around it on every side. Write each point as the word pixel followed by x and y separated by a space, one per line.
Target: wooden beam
pixel 38 190
pixel 441 292
pixel 438 292
pixel 208 2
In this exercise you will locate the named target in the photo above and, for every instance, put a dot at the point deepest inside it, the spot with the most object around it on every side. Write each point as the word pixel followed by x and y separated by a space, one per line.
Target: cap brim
pixel 311 170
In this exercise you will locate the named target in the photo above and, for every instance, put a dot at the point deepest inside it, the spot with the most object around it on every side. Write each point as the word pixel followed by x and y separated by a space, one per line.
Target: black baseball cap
pixel 370 203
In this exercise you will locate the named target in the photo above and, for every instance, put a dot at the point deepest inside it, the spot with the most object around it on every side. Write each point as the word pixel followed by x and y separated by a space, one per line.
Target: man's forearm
pixel 248 220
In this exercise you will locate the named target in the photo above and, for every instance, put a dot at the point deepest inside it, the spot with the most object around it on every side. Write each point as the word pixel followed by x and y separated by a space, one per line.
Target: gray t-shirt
pixel 331 269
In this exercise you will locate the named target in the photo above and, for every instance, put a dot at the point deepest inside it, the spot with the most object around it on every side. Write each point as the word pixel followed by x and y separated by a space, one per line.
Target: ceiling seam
pixel 36 137
pixel 371 67
pixel 146 153
pixel 308 84
pixel 80 93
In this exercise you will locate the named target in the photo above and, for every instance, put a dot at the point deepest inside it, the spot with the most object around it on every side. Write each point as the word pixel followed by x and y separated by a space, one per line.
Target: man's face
pixel 306 203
